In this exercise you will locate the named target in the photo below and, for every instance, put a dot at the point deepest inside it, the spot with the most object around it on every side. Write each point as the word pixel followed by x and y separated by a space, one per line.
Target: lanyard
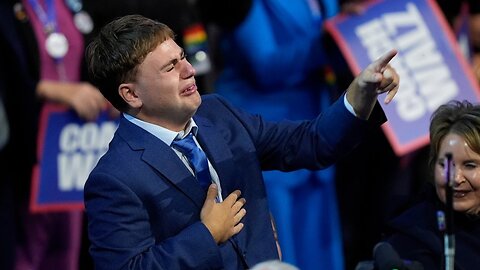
pixel 48 19
pixel 56 43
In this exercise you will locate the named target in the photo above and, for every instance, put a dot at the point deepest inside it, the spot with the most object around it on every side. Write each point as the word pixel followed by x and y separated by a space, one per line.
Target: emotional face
pixel 165 89
pixel 465 174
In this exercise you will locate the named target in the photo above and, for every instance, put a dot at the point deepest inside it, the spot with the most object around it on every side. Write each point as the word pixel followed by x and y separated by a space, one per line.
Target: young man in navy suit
pixel 145 207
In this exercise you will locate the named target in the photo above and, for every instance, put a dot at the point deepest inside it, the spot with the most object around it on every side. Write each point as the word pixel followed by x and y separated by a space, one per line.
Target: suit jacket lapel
pixel 219 154
pixel 163 159
pixel 221 157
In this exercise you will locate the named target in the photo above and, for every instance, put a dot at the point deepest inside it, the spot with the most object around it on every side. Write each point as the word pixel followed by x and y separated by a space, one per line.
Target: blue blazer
pixel 143 205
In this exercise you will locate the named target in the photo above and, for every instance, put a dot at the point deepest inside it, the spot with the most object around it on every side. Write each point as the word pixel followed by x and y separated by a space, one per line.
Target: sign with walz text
pixel 68 149
pixel 429 62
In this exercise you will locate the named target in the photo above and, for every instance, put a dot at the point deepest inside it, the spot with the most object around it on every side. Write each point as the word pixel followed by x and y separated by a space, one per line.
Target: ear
pixel 127 92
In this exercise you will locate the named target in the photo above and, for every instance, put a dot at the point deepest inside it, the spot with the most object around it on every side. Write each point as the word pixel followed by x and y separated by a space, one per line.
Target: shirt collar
pixel 166 135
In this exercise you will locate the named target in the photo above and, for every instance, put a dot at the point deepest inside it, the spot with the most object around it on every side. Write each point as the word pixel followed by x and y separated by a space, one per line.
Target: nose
pixel 459 177
pixel 187 69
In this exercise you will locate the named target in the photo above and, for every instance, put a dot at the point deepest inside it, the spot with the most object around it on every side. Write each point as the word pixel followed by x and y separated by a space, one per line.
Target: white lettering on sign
pixel 425 79
pixel 81 146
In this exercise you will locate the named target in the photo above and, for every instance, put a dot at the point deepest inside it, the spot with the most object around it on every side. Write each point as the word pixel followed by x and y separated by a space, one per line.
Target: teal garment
pixel 272 66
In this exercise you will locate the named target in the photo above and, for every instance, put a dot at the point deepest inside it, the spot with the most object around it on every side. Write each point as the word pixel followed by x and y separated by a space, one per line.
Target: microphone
pixel 449 237
pixel 387 258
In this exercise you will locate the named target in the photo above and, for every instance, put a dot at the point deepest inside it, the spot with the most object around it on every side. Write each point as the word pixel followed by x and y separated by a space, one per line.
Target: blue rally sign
pixel 431 66
pixel 68 150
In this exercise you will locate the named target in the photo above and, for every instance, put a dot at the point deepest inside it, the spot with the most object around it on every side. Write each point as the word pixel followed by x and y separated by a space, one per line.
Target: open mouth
pixel 460 193
pixel 190 90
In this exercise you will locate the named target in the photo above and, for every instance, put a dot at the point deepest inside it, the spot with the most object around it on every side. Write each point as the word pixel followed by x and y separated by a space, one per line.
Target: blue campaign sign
pixel 68 150
pixel 429 62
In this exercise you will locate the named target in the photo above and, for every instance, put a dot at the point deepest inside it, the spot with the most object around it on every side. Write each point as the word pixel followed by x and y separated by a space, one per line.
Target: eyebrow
pixel 173 61
pixel 469 160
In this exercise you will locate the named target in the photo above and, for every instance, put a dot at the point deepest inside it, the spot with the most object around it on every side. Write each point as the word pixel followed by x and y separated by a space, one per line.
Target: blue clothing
pixel 415 236
pixel 144 208
pixel 273 64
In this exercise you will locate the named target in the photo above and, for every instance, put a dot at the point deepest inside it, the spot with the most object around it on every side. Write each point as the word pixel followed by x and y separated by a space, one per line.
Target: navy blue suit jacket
pixel 143 205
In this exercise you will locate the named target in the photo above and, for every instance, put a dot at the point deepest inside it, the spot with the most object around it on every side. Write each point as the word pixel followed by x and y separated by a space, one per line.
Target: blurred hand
pixel 379 77
pixel 353 7
pixel 223 219
pixel 84 98
pixel 112 111
pixel 87 101
pixel 476 66
pixel 474 28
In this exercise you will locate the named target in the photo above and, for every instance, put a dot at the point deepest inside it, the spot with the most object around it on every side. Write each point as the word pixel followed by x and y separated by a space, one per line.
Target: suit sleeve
pixel 310 144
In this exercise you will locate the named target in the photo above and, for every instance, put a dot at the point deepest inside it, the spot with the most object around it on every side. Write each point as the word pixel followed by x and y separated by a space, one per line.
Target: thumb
pixel 371 77
pixel 211 193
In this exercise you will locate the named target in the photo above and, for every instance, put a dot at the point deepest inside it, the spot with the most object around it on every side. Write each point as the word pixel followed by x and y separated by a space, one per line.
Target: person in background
pixel 416 234
pixel 370 196
pixel 273 59
pixel 144 206
pixel 42 49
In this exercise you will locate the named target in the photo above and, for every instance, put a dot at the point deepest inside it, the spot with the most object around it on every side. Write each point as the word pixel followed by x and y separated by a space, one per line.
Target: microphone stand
pixel 449 237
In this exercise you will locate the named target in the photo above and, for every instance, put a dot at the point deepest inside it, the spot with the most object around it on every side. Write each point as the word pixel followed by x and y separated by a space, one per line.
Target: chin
pixel 198 101
pixel 464 208
pixel 193 109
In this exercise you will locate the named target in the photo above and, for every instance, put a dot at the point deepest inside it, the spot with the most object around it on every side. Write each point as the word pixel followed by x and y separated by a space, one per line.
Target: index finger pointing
pixel 383 60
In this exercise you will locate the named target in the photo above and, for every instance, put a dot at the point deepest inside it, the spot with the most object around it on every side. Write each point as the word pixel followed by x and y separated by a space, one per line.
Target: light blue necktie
pixel 196 157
